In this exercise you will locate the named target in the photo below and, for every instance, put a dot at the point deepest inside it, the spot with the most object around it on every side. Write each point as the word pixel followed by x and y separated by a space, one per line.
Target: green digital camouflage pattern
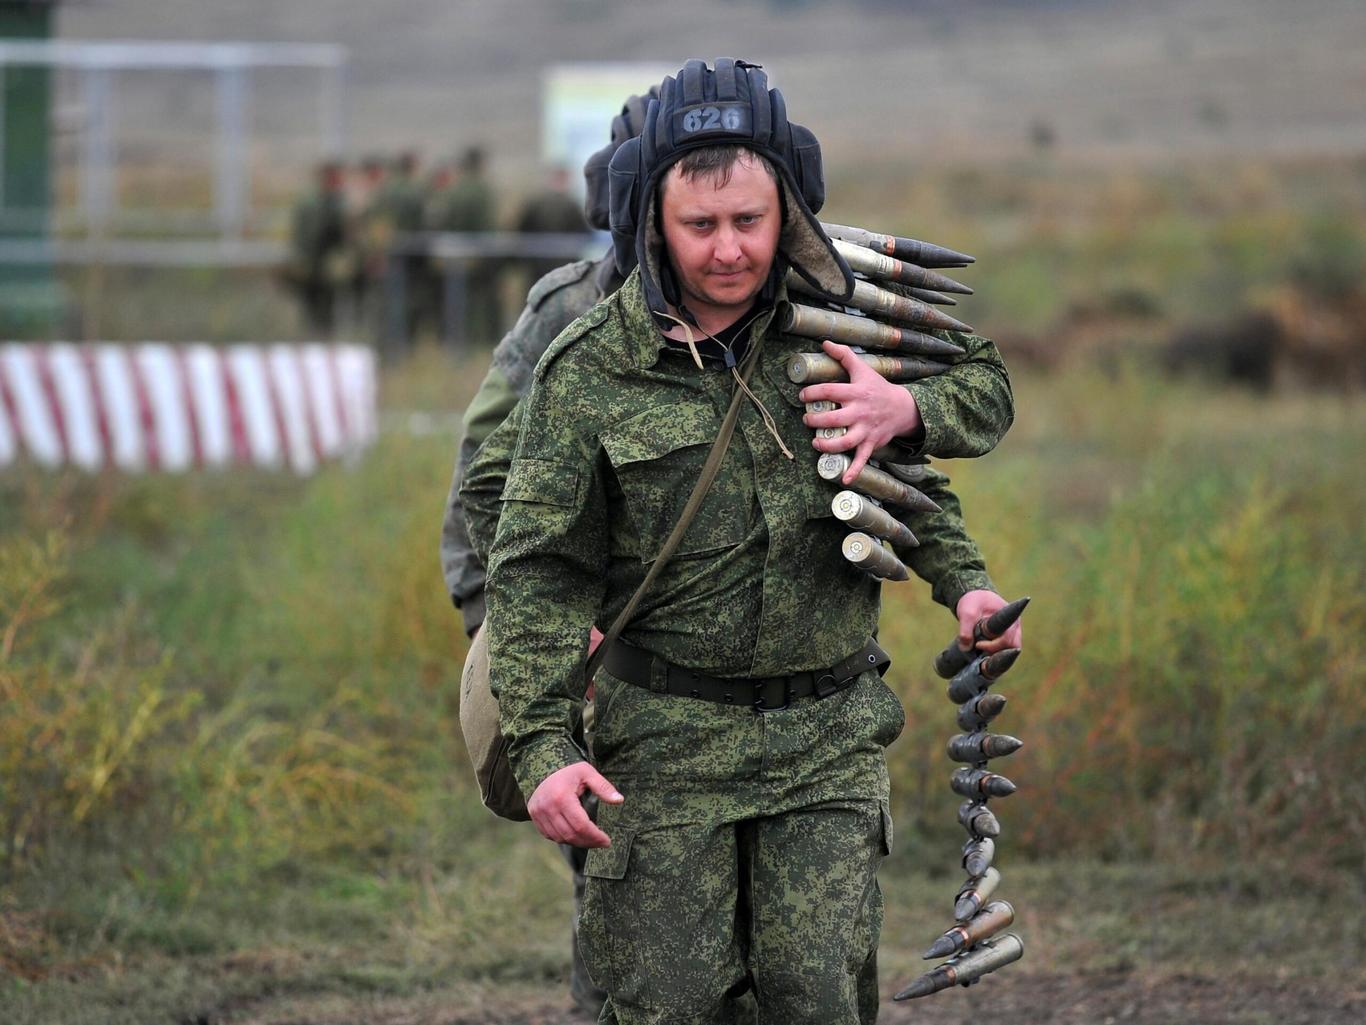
pixel 970 408
pixel 967 410
pixel 758 587
pixel 805 881
pixel 606 448
pixel 552 304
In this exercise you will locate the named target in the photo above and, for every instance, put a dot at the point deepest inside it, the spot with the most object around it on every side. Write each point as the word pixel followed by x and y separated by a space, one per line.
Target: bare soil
pixel 1134 997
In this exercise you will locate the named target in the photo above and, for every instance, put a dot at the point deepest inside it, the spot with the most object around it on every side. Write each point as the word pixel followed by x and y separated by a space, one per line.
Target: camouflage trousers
pixel 743 864
pixel 587 995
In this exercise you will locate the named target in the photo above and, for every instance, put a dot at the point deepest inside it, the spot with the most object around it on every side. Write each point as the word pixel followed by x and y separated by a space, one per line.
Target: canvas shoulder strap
pixel 675 538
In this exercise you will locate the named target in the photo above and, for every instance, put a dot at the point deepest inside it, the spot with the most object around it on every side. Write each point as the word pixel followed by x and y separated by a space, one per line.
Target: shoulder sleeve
pixel 574 333
pixel 560 277
pixel 547 569
pixel 967 409
pixel 556 300
pixel 480 498
pixel 948 559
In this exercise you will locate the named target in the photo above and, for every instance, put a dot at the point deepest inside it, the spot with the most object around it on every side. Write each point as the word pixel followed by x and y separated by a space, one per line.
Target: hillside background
pixel 879 80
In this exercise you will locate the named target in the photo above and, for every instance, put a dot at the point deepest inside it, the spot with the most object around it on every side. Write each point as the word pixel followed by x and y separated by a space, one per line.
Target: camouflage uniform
pixel 549 211
pixel 317 236
pixel 781 817
pixel 469 205
pixel 553 303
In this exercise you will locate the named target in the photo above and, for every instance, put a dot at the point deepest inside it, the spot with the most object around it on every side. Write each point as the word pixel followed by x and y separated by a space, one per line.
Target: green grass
pixel 294 796
pixel 229 759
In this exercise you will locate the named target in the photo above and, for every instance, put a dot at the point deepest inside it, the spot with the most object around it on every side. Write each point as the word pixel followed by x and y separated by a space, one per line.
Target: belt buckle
pixel 761 692
pixel 824 685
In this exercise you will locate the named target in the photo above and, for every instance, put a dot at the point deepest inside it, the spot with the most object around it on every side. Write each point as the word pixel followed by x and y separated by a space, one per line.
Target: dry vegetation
pixel 231 784
pixel 231 767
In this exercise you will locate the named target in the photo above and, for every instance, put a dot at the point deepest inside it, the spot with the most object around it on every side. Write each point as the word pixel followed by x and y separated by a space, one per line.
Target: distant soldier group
pixel 344 227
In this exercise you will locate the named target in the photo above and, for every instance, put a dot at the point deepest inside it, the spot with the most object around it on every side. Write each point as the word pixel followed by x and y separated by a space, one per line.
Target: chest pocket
pixel 657 456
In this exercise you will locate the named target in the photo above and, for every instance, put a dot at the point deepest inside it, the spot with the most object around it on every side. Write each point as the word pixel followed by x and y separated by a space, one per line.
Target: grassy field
pixel 232 787
pixel 230 772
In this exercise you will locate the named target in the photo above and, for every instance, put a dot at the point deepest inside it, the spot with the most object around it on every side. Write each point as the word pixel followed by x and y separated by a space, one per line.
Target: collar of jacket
pixel 646 341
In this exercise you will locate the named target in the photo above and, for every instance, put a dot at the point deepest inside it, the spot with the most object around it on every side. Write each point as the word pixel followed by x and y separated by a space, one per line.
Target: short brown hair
pixel 718 162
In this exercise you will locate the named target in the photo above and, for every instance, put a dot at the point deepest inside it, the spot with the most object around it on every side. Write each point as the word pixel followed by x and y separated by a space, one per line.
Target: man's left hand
pixel 873 409
pixel 977 605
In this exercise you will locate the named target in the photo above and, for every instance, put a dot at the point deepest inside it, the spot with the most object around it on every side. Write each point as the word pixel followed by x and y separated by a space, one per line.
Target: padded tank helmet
pixel 625 125
pixel 705 107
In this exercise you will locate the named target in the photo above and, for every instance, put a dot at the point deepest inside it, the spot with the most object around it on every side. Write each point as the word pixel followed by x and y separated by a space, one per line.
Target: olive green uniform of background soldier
pixel 317 239
pixel 988 422
pixel 554 301
pixel 469 204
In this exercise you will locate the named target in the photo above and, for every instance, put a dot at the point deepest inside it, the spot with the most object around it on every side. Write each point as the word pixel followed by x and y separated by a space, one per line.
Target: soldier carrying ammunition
pixel 584 486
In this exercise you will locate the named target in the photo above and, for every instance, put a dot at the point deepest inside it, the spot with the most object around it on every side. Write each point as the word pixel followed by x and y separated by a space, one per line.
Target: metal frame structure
pixel 231 64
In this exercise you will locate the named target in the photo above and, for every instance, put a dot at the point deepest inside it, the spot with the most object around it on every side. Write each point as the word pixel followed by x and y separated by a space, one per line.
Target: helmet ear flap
pixel 623 183
pixel 807 167
pixel 597 189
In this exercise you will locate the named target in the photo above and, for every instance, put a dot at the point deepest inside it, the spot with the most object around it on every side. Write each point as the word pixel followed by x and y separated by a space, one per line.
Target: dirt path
pixel 1033 999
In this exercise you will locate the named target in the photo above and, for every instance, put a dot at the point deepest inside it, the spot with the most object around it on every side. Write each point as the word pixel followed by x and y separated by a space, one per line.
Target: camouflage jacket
pixel 552 304
pixel 317 228
pixel 611 439
pixel 966 412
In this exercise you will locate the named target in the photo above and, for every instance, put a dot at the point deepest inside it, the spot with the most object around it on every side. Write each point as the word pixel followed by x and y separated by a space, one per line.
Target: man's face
pixel 721 240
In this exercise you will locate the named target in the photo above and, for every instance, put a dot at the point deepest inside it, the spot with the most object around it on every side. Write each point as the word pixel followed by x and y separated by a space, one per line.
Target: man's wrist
pixel 949 590
pixel 539 759
pixel 927 408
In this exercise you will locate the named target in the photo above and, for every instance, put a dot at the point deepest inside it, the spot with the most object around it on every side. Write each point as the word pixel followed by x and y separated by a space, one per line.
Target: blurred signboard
pixel 578 102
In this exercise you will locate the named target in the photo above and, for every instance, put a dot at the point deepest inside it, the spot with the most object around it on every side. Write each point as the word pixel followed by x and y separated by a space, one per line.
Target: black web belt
pixel 765 694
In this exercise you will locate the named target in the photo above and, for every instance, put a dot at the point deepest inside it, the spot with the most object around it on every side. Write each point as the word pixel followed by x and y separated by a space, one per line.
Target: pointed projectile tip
pixel 996 665
pixel 930 982
pixel 942 947
pixel 928 345
pixel 999 786
pixel 991 704
pixel 931 317
pixel 999 745
pixel 927 254
pixel 929 295
pixel 1004 618
pixel 966 906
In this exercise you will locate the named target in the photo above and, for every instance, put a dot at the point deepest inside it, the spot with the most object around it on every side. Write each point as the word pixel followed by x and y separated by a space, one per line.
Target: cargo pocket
pixel 542 481
pixel 889 713
pixel 658 456
pixel 605 926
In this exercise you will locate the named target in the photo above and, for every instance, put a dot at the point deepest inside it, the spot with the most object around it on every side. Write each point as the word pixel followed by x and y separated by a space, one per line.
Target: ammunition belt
pixel 643 669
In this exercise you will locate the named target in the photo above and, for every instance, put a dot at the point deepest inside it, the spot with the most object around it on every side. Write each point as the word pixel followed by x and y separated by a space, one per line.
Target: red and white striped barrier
pixel 162 407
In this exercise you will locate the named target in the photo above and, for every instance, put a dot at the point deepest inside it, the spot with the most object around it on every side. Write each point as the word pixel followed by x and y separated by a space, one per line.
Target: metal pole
pixel 230 169
pixel 455 299
pixel 97 151
pixel 395 303
pixel 331 112
pixel 4 88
